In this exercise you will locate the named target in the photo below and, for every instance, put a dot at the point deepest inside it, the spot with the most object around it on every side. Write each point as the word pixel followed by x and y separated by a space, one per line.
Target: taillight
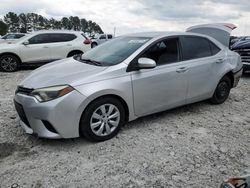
pixel 87 41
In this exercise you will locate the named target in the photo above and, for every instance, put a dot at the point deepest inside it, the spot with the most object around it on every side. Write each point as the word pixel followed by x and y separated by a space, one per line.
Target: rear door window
pixel 110 36
pixel 61 37
pixel 196 47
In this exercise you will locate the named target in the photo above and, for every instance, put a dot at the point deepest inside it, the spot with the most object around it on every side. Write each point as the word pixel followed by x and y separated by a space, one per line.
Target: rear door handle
pixel 182 69
pixel 219 61
pixel 45 47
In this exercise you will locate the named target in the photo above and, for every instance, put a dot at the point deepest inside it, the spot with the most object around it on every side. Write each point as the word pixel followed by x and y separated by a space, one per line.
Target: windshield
pixel 115 51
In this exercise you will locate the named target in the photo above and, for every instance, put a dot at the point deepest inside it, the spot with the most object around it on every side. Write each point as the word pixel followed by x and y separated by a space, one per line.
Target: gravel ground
pixel 198 145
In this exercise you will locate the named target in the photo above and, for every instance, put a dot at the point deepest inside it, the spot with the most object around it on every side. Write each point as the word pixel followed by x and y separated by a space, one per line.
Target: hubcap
pixel 105 120
pixel 222 90
pixel 8 64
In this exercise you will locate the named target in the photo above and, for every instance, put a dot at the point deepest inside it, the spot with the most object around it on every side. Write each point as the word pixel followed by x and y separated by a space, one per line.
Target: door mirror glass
pixel 146 63
pixel 26 43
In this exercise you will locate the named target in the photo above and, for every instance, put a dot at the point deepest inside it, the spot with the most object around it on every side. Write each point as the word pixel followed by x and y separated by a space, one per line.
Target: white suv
pixel 42 47
pixel 99 39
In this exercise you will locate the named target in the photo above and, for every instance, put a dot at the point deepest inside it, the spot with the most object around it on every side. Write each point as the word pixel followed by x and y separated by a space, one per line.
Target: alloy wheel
pixel 9 64
pixel 105 120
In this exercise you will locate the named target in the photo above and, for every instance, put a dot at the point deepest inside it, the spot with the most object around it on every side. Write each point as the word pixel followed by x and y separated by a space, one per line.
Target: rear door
pixel 202 58
pixel 61 44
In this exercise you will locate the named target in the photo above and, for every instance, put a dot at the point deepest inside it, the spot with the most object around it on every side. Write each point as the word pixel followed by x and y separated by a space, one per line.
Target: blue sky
pixel 140 15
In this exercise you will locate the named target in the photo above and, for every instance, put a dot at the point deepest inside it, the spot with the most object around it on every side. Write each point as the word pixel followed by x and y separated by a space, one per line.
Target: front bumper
pixel 237 76
pixel 54 119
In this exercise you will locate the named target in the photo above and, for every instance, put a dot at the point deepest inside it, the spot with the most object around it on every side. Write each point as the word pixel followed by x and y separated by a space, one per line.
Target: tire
pixel 222 91
pixel 95 124
pixel 9 63
pixel 93 45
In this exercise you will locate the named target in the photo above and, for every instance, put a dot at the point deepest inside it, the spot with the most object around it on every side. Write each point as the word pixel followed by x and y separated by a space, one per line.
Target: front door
pixel 163 87
pixel 38 49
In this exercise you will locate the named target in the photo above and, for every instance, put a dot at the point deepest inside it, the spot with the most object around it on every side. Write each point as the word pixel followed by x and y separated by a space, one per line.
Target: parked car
pixel 125 78
pixel 99 39
pixel 243 48
pixel 42 47
pixel 11 37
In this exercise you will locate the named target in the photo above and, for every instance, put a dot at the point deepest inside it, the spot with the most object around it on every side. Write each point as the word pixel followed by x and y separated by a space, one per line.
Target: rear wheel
pixel 103 119
pixel 222 91
pixel 93 45
pixel 9 63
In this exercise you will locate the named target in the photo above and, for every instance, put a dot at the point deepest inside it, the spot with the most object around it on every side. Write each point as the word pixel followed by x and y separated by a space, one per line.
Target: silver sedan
pixel 131 76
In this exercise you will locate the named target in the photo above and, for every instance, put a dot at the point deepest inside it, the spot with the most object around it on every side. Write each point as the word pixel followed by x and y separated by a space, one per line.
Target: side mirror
pixel 146 63
pixel 26 43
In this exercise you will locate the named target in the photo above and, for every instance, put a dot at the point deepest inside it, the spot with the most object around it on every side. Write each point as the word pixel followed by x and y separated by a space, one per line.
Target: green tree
pixel 3 28
pixel 12 20
pixel 23 22
pixel 84 25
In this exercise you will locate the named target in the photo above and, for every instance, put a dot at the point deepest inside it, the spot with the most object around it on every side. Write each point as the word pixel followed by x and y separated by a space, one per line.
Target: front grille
pixel 24 90
pixel 21 113
pixel 244 54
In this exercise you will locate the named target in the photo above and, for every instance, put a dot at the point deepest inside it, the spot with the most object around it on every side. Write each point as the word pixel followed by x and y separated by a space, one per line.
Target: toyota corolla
pixel 131 76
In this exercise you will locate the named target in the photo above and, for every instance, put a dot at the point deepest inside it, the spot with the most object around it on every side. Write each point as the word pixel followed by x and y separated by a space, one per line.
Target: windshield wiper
pixel 90 61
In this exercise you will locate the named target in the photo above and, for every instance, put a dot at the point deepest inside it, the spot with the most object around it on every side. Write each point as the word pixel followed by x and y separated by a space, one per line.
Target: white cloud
pixel 140 15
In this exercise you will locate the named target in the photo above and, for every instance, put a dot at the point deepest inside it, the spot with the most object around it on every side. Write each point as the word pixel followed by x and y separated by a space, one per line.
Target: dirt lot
pixel 198 145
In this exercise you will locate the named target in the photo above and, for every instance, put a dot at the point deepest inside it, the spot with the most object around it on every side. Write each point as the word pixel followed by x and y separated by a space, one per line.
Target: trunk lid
pixel 219 31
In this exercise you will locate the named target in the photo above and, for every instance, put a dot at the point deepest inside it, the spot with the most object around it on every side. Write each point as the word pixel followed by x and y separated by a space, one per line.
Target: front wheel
pixel 9 63
pixel 222 91
pixel 103 119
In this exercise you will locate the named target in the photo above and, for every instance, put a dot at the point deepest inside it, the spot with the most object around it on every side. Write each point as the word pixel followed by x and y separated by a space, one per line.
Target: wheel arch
pixel 74 51
pixel 230 75
pixel 11 53
pixel 119 98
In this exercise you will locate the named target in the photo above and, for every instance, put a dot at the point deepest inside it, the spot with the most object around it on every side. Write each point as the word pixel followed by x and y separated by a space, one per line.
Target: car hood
pixel 241 45
pixel 67 71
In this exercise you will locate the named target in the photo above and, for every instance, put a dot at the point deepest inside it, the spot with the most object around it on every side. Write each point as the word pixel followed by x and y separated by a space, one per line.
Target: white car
pixel 12 37
pixel 97 40
pixel 42 47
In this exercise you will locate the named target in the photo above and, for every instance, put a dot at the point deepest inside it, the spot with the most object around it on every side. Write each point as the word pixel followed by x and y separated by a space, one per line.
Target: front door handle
pixel 45 47
pixel 182 69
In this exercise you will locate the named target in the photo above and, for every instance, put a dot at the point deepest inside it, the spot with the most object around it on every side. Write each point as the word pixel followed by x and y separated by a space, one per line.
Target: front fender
pixel 120 87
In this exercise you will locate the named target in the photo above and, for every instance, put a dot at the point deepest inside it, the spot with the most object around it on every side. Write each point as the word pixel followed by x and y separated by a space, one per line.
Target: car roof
pixel 55 31
pixel 162 34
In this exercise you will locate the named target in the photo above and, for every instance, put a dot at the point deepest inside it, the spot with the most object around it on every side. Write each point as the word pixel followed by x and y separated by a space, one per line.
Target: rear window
pixel 195 47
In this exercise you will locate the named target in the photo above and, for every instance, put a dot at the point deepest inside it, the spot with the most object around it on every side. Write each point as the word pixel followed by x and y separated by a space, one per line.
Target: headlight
pixel 50 93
